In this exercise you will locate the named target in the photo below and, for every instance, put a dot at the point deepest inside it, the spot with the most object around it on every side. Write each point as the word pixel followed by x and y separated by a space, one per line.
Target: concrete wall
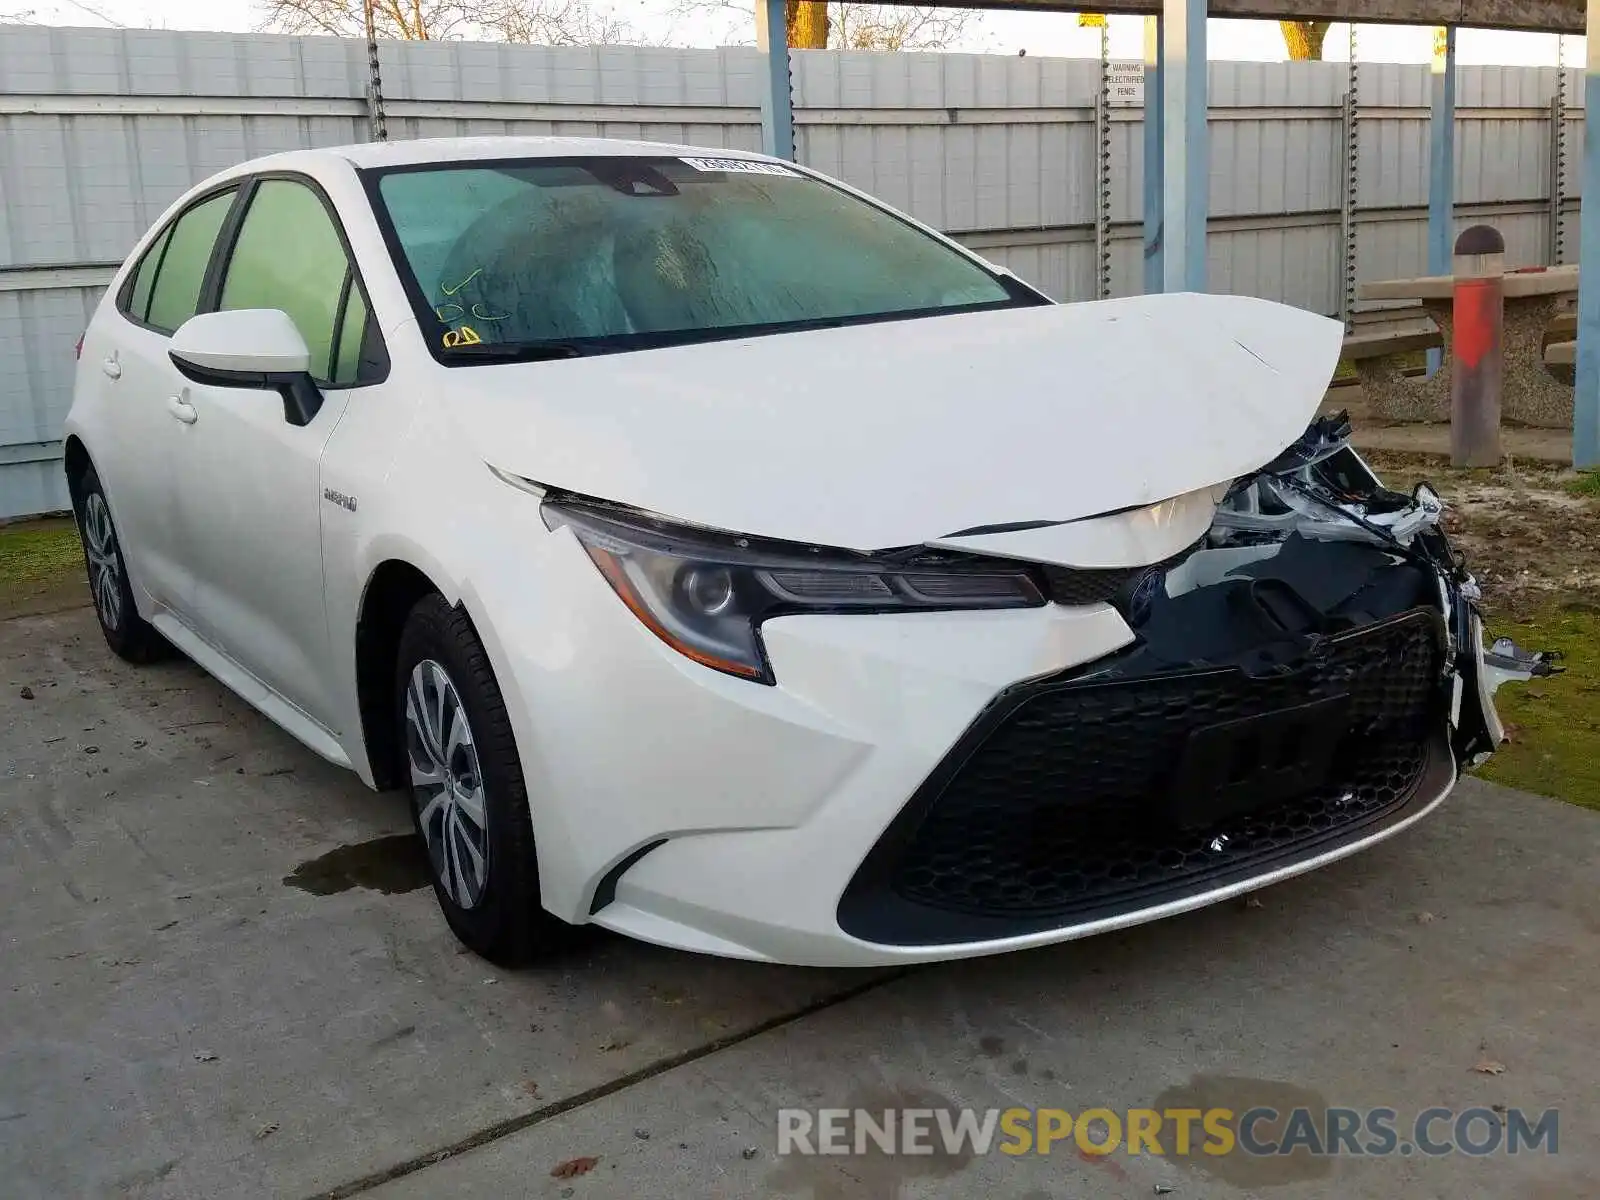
pixel 100 130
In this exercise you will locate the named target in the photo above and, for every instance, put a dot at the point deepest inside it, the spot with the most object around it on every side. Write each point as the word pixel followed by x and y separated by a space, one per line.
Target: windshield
pixel 585 255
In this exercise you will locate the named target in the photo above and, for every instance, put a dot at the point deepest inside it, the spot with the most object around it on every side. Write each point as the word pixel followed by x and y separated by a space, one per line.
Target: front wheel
pixel 128 634
pixel 469 798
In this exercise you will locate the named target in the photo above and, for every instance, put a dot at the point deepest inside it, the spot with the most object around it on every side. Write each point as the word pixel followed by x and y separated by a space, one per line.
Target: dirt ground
pixel 1528 538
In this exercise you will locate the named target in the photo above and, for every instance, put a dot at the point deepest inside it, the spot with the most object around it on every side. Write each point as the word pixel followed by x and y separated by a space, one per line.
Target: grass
pixel 1586 484
pixel 1554 723
pixel 41 567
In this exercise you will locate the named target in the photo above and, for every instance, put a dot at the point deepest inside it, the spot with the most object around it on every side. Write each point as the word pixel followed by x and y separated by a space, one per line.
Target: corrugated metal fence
pixel 100 130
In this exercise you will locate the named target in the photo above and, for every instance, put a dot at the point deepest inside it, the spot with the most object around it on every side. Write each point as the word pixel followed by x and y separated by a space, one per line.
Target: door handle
pixel 182 410
pixel 112 367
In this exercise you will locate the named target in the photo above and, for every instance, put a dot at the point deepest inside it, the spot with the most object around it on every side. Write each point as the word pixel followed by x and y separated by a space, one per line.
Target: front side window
pixel 288 256
pixel 166 285
pixel 620 253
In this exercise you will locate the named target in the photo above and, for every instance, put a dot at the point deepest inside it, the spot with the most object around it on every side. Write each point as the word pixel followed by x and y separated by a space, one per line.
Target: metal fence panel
pixel 101 129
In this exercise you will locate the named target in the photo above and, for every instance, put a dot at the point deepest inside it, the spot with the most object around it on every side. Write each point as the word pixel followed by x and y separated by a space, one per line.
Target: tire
pixel 469 800
pixel 128 634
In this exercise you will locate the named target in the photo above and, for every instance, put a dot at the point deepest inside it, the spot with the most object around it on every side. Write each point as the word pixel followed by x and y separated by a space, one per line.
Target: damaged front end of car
pixel 1308 677
pixel 1318 498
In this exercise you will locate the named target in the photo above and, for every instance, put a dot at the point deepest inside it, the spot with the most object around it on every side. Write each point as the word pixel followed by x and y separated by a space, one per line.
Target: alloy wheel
pixel 105 563
pixel 447 784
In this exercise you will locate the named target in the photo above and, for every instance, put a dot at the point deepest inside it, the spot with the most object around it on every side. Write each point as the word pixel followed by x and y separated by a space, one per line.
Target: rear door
pixel 128 353
pixel 253 506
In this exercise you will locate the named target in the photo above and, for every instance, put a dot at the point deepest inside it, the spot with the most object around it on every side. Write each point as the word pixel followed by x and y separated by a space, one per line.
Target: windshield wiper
pixel 512 351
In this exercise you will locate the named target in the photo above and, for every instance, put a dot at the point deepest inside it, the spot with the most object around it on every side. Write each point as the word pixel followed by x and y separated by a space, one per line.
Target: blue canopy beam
pixel 1186 148
pixel 1442 165
pixel 1154 119
pixel 1586 395
pixel 777 98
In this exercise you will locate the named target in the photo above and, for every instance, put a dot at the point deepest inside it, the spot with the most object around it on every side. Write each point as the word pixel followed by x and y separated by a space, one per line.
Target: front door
pixel 253 506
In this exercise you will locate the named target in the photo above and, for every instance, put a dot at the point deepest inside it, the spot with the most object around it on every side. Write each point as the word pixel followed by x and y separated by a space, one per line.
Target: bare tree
pixel 11 14
pixel 1304 38
pixel 547 22
pixel 896 26
pixel 805 23
pixel 413 20
pixel 816 25
pixel 553 23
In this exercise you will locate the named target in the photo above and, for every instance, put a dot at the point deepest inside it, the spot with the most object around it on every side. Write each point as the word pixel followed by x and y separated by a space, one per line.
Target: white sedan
pixel 720 557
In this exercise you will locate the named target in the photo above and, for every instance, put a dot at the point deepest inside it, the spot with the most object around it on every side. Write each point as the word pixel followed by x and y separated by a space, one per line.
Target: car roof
pixel 430 150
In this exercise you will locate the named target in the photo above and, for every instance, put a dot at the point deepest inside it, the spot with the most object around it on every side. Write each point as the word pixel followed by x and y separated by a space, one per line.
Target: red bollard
pixel 1477 367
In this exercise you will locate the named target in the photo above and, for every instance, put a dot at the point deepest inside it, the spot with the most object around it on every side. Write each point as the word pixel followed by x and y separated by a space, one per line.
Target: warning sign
pixel 1127 84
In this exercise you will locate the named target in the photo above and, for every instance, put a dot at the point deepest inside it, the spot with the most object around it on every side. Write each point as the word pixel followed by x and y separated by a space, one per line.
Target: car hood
pixel 903 432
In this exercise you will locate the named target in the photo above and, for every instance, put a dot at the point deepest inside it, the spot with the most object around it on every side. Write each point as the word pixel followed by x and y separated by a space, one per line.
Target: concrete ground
pixel 220 975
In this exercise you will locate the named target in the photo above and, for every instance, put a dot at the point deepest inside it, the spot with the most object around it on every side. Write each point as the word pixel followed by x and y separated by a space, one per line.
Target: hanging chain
pixel 1558 158
pixel 1102 169
pixel 377 126
pixel 1352 168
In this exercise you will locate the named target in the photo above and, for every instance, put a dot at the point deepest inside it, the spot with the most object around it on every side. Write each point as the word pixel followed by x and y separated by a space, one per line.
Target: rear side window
pixel 181 257
pixel 289 256
pixel 144 277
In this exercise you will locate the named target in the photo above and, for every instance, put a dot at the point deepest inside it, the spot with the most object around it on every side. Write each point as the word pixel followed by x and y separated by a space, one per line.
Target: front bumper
pixel 691 809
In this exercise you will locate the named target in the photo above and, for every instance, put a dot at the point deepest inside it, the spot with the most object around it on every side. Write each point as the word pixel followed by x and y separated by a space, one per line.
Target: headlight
pixel 706 596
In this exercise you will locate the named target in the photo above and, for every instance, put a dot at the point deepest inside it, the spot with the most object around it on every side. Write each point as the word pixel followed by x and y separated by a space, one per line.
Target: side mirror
pixel 256 348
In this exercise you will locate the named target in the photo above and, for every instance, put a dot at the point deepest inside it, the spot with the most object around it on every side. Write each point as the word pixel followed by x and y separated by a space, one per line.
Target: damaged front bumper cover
pixel 1307 679
pixel 1322 489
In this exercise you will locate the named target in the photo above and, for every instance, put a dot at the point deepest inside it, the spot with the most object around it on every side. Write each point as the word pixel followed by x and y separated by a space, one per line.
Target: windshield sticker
pixel 466 335
pixel 745 166
pixel 454 308
pixel 451 291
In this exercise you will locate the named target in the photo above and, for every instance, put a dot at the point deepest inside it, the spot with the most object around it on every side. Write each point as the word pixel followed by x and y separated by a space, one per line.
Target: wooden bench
pixel 1381 332
pixel 1561 354
pixel 1536 300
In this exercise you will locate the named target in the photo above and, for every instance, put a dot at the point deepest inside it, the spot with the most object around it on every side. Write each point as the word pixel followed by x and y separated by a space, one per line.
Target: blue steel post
pixel 1442 163
pixel 1154 115
pixel 1186 176
pixel 777 104
pixel 1586 396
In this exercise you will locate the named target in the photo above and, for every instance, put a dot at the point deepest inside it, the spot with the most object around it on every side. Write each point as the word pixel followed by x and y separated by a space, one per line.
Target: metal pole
pixel 1477 372
pixel 1347 214
pixel 777 100
pixel 377 125
pixel 1349 258
pixel 1441 162
pixel 1154 155
pixel 1102 168
pixel 1556 244
pixel 1187 168
pixel 1586 395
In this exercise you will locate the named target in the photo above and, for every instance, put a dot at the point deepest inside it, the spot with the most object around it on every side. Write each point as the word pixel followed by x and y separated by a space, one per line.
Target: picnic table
pixel 1531 394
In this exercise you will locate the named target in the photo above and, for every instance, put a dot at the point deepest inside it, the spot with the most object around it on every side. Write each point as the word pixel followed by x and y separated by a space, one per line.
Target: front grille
pixel 1068 585
pixel 1100 585
pixel 1077 801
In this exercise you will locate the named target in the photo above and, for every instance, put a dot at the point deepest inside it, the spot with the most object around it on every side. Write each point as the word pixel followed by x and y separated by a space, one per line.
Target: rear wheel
pixel 128 634
pixel 469 798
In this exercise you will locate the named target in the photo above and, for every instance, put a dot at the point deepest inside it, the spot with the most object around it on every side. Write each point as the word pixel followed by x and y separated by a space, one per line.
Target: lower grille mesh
pixel 1065 805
